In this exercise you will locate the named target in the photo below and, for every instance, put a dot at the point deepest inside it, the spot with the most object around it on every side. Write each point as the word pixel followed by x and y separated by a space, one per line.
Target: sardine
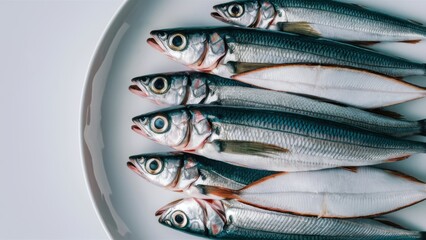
pixel 227 51
pixel 184 88
pixel 270 140
pixel 330 193
pixel 328 19
pixel 188 173
pixel 344 85
pixel 234 220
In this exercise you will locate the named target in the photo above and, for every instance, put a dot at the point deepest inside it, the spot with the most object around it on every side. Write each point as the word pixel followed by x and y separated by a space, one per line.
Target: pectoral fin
pixel 240 67
pixel 249 148
pixel 363 43
pixel 303 28
pixel 218 192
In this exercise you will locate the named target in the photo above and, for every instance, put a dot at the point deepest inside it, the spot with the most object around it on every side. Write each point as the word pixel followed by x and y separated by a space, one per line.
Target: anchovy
pixel 330 193
pixel 270 140
pixel 184 172
pixel 328 19
pixel 233 220
pixel 184 88
pixel 227 51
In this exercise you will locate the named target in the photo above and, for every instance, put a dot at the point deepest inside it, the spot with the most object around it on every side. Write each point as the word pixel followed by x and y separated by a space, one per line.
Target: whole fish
pixel 227 51
pixel 184 172
pixel 184 88
pixel 330 193
pixel 360 192
pixel 328 19
pixel 270 140
pixel 233 220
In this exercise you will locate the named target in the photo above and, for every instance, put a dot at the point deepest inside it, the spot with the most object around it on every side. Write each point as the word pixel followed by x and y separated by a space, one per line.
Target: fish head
pixel 162 89
pixel 200 49
pixel 174 171
pixel 178 127
pixel 195 216
pixel 169 127
pixel 240 13
pixel 160 169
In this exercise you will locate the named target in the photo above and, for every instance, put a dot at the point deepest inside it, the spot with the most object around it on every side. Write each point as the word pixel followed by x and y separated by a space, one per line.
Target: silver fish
pixel 233 220
pixel 328 19
pixel 182 88
pixel 270 140
pixel 330 193
pixel 227 51
pixel 184 172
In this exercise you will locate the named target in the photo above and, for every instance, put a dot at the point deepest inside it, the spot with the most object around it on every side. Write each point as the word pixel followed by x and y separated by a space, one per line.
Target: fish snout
pixel 132 165
pixel 137 90
pixel 218 13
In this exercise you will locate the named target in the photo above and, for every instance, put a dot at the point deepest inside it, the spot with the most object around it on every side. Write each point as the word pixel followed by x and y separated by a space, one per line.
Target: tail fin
pixel 218 192
pixel 422 124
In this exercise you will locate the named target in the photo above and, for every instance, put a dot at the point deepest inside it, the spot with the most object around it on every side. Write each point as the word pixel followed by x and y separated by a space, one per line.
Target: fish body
pixel 227 51
pixel 330 193
pixel 328 19
pixel 184 172
pixel 343 85
pixel 233 220
pixel 185 88
pixel 270 140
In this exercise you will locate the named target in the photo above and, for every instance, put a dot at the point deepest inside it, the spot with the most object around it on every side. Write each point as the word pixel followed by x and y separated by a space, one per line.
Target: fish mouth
pixel 162 210
pixel 219 17
pixel 132 166
pixel 138 130
pixel 153 43
pixel 137 90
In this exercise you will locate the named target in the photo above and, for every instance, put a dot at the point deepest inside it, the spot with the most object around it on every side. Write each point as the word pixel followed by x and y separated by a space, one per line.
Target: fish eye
pixel 159 85
pixel 159 124
pixel 236 10
pixel 177 42
pixel 179 219
pixel 154 166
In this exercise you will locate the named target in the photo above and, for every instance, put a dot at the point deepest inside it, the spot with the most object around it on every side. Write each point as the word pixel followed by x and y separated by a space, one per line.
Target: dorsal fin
pixel 401 175
pixel 387 113
pixel 411 41
pixel 359 6
pixel 351 169
pixel 415 22
pixel 389 223
pixel 364 43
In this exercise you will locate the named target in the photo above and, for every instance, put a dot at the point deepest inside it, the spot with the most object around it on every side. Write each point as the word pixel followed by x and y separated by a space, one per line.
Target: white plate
pixel 125 202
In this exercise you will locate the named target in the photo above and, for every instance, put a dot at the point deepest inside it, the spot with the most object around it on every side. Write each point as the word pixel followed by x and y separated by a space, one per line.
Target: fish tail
pixel 422 124
pixel 224 193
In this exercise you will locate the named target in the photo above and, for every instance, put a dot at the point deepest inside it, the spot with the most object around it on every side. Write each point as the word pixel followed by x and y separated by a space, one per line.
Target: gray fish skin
pixel 329 19
pixel 184 172
pixel 270 140
pixel 202 88
pixel 236 47
pixel 252 223
pixel 232 220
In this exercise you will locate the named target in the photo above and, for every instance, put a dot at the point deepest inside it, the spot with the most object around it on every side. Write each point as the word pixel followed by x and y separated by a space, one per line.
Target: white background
pixel 45 52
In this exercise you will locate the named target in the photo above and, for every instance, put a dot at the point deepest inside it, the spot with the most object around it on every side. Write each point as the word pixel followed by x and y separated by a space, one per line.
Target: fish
pixel 228 51
pixel 183 88
pixel 188 173
pixel 328 19
pixel 331 193
pixel 342 85
pixel 224 219
pixel 270 140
